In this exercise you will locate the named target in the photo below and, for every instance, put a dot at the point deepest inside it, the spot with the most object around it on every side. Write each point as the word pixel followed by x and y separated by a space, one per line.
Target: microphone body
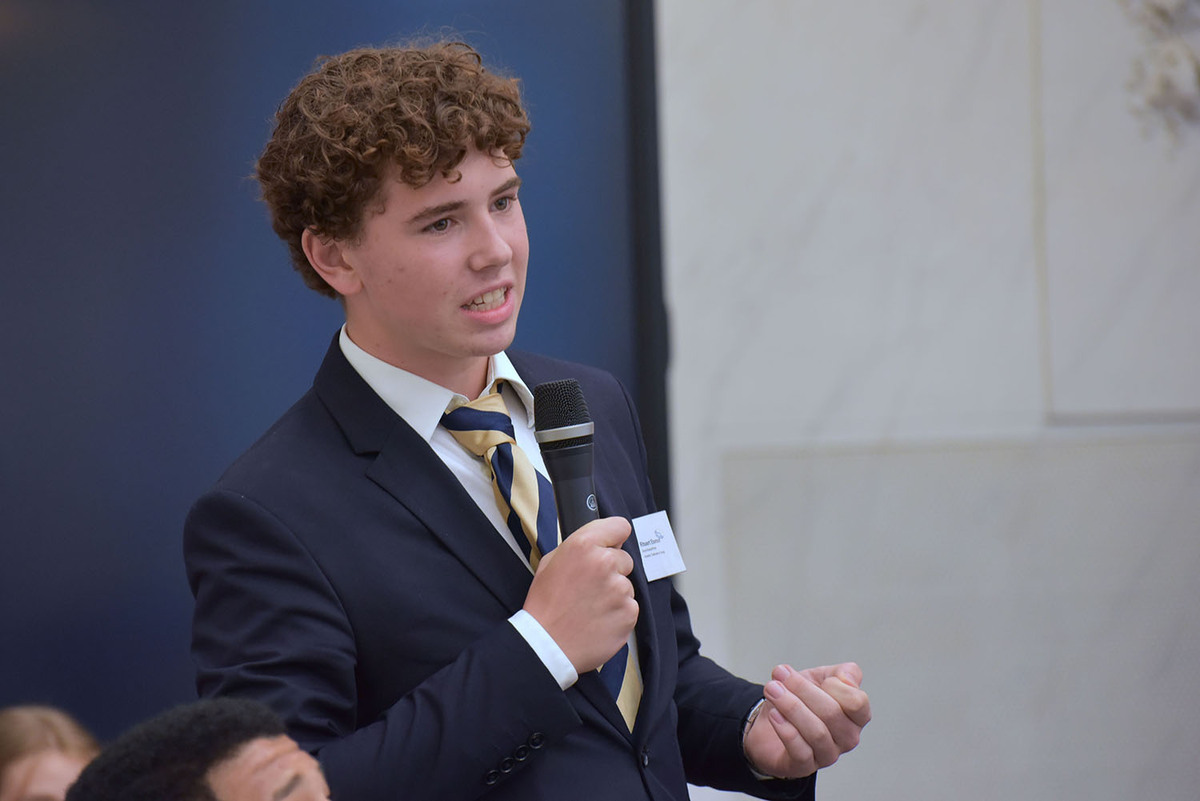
pixel 564 432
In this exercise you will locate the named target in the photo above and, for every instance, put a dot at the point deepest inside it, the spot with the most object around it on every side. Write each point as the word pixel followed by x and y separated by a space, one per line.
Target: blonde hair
pixel 26 730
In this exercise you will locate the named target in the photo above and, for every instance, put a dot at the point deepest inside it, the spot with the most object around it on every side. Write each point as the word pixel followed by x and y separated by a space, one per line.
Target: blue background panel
pixel 151 324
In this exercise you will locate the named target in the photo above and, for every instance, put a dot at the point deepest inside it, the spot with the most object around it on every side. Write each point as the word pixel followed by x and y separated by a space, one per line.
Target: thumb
pixel 850 673
pixel 610 532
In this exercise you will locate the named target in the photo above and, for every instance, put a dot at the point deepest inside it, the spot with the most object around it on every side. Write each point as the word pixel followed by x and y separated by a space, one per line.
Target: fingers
pixel 819 711
pixel 622 562
pixel 849 672
pixel 621 565
pixel 582 595
pixel 608 534
pixel 806 738
pixel 854 702
pixel 842 683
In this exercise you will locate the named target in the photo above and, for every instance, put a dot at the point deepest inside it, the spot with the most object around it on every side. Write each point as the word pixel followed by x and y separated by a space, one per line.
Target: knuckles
pixel 822 743
pixel 632 613
pixel 857 706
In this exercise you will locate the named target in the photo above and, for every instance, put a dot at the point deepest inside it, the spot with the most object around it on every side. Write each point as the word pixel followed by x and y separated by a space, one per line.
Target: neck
pixel 466 376
pixel 468 380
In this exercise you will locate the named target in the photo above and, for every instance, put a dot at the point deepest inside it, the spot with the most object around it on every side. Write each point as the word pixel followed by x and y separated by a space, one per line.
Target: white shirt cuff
pixel 546 648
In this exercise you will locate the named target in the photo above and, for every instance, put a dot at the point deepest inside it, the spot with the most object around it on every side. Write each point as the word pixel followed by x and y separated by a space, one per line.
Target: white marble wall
pixel 935 393
pixel 1123 229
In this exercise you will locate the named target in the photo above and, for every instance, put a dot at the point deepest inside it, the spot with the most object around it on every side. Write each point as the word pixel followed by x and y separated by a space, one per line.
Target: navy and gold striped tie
pixel 526 500
pixel 524 495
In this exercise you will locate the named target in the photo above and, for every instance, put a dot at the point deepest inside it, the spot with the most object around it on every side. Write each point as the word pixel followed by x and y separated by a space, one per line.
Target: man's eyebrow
pixel 435 211
pixel 454 205
pixel 287 789
pixel 511 183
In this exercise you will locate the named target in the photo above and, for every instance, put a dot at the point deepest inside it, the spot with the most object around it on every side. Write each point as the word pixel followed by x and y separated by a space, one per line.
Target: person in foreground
pixel 390 584
pixel 42 750
pixel 210 750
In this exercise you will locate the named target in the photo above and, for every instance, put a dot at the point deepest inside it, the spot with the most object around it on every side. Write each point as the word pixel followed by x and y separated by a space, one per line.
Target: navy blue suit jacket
pixel 343 576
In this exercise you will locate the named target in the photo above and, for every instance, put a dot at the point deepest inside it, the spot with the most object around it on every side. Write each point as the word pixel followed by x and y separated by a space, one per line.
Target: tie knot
pixel 482 424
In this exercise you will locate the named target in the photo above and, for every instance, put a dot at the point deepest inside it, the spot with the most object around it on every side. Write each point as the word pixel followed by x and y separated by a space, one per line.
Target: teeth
pixel 488 300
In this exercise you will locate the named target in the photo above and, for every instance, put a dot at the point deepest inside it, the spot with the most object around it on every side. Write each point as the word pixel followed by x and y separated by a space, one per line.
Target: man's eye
pixel 503 203
pixel 439 226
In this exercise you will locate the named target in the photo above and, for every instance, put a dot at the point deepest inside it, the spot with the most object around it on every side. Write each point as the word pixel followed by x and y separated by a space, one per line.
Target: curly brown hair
pixel 371 113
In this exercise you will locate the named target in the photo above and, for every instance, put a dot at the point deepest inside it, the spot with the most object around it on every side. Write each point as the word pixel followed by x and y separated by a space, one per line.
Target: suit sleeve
pixel 268 625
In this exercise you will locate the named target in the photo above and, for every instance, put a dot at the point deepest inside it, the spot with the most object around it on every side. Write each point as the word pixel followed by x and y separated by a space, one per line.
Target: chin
pixel 500 340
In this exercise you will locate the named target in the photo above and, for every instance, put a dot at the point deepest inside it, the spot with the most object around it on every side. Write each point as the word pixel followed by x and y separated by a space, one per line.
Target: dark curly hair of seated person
pixel 372 114
pixel 169 756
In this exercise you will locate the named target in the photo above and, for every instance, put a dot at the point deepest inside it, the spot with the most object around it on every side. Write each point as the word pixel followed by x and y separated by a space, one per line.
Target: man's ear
pixel 327 257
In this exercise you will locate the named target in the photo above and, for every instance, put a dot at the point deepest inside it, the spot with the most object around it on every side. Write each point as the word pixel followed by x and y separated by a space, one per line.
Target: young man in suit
pixel 357 569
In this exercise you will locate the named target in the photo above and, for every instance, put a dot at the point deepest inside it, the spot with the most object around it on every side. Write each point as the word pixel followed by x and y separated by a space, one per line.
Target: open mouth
pixel 488 301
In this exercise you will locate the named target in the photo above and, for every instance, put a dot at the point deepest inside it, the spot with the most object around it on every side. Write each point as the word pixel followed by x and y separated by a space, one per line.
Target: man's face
pixel 269 769
pixel 435 281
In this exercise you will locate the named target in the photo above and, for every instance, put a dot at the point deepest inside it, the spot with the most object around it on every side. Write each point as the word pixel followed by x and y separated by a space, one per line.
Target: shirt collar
pixel 419 401
pixel 501 368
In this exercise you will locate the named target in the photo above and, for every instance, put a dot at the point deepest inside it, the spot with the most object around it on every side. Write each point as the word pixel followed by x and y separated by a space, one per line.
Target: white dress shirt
pixel 421 403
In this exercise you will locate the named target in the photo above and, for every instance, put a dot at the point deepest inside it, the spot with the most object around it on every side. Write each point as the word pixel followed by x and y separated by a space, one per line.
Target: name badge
pixel 656 541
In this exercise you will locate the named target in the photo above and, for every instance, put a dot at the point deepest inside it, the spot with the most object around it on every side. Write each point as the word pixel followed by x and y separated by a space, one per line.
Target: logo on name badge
pixel 656 541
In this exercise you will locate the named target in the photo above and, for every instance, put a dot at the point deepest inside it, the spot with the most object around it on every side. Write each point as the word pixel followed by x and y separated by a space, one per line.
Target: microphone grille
pixel 558 404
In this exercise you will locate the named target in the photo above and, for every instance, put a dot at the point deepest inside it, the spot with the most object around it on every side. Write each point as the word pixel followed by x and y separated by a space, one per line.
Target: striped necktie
pixel 526 500
pixel 524 496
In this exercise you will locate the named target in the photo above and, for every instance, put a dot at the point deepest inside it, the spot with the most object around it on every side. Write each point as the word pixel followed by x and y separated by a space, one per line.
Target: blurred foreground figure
pixel 215 750
pixel 42 750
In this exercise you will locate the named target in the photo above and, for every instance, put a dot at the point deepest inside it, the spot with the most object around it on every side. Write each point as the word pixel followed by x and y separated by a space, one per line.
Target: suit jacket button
pixel 507 764
pixel 537 740
pixel 521 753
pixel 491 778
pixel 645 757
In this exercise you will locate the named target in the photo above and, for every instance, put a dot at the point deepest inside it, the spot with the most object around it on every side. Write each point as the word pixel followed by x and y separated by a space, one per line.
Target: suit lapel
pixel 414 475
pixel 408 469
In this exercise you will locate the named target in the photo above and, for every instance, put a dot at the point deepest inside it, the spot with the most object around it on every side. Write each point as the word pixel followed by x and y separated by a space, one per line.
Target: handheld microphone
pixel 563 429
